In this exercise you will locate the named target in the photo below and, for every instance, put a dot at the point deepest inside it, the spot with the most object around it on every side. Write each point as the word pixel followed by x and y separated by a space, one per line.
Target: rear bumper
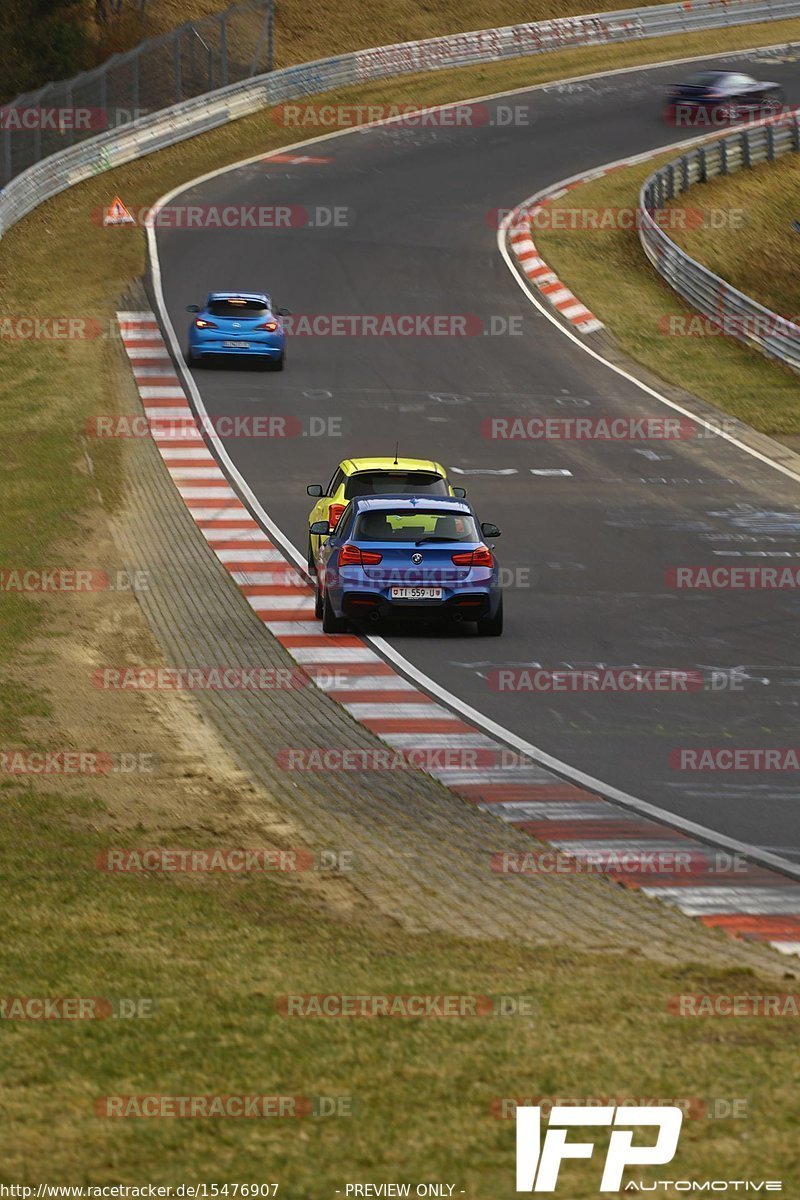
pixel 463 606
pixel 254 349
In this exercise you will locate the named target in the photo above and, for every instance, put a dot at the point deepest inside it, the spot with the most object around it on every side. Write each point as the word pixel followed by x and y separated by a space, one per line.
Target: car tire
pixel 330 622
pixel 311 560
pixel 492 626
pixel 192 360
pixel 319 599
pixel 279 363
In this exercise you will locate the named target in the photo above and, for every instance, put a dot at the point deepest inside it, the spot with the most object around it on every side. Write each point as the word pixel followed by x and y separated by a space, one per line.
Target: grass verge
pixel 607 269
pixel 214 953
pixel 759 251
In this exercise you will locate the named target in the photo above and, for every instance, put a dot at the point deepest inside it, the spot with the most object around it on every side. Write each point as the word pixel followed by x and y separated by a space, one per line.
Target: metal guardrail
pixel 196 58
pixel 736 314
pixel 114 147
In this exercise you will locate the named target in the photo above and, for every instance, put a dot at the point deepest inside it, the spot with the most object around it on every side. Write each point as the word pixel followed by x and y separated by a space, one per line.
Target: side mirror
pixel 320 528
pixel 284 312
pixel 193 308
pixel 488 530
pixel 315 489
pixel 460 492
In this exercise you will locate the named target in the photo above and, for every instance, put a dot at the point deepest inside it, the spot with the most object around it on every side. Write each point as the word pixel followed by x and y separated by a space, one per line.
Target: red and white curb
pixel 747 901
pixel 539 273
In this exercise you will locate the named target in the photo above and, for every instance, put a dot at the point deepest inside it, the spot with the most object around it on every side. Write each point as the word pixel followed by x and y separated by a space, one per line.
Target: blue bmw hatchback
pixel 408 557
pixel 238 323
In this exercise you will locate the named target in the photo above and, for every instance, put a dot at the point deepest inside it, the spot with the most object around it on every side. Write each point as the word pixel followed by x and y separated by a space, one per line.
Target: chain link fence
pixel 196 58
pixel 59 163
pixel 733 312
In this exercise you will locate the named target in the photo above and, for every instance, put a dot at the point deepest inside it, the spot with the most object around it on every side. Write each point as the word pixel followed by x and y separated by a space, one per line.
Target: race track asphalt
pixel 587 551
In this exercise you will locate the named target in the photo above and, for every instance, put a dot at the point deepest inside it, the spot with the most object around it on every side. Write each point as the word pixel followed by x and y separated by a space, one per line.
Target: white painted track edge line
pixel 564 770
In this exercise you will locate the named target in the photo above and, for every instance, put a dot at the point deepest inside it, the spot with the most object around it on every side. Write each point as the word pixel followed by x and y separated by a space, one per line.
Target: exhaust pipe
pixel 374 615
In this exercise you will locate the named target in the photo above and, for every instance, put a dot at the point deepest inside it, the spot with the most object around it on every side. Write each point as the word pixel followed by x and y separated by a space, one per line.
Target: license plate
pixel 416 593
pixel 236 345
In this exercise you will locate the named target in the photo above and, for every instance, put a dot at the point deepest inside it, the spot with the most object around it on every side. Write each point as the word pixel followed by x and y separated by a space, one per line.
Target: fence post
pixel 223 47
pixel 745 148
pixel 723 156
pixel 136 83
pixel 177 64
pixel 701 154
pixel 68 95
pixel 271 35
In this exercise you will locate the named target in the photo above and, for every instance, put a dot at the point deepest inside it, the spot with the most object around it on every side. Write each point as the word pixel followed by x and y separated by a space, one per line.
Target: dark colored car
pixel 721 97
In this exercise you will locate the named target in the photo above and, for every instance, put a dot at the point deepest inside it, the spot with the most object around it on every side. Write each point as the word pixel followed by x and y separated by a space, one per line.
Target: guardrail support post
pixel 684 172
pixel 770 144
pixel 723 156
pixel 745 148
pixel 701 158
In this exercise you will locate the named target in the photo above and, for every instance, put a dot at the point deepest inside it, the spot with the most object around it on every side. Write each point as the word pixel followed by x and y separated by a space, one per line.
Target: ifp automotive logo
pixel 539 1161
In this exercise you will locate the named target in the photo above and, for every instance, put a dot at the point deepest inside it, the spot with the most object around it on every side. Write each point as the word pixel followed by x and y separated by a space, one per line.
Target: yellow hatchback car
pixel 374 477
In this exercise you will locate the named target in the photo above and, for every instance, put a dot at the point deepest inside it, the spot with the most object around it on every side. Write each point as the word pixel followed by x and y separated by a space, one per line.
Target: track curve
pixel 595 542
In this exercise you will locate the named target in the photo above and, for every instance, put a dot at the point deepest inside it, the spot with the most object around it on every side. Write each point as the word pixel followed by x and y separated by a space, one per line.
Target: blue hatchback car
pixel 238 323
pixel 408 557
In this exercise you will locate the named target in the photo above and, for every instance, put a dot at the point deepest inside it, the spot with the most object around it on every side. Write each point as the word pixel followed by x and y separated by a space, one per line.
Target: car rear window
pixel 237 308
pixel 705 79
pixel 388 526
pixel 404 483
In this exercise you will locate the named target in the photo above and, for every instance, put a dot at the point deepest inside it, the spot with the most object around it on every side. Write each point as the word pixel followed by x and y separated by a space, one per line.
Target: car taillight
pixel 201 324
pixel 334 513
pixel 351 556
pixel 481 557
pixel 270 326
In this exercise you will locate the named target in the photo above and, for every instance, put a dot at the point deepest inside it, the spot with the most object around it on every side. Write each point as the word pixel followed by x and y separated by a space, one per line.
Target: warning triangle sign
pixel 117 214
